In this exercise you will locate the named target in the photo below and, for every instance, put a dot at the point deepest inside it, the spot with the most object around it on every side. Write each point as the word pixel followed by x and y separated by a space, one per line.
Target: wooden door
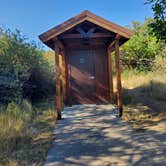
pixel 83 78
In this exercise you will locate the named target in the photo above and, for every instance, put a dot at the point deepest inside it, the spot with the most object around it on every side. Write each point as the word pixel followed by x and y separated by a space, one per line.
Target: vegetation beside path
pixel 27 84
pixel 26 133
pixel 27 108
pixel 144 97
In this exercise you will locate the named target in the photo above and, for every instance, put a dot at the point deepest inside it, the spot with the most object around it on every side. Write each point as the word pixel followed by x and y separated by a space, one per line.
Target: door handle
pixel 92 77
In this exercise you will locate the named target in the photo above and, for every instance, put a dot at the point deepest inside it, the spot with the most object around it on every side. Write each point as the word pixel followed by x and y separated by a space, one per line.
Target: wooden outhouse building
pixel 85 43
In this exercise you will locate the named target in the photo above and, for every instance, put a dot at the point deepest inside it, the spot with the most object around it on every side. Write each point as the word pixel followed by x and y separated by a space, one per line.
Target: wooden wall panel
pixel 101 68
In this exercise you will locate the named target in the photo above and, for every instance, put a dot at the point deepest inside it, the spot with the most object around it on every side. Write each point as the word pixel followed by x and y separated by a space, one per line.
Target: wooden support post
pixel 111 91
pixel 119 85
pixel 58 87
pixel 63 76
pixel 68 83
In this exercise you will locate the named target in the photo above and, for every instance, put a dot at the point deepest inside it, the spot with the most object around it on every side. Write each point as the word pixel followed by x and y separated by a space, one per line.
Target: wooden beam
pixel 111 46
pixel 117 37
pixel 58 88
pixel 63 76
pixel 111 91
pixel 85 16
pixel 79 36
pixel 67 80
pixel 118 75
pixel 84 34
pixel 69 90
pixel 59 44
pixel 61 47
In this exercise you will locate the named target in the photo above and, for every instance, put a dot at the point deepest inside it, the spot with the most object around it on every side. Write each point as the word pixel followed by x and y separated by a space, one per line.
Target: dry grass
pixel 27 140
pixel 132 79
pixel 144 96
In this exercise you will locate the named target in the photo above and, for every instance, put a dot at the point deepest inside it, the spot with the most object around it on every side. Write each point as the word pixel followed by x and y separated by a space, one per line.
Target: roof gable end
pixel 85 16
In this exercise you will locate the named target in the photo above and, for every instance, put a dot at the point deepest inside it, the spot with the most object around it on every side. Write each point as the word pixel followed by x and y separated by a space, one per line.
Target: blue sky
pixel 33 17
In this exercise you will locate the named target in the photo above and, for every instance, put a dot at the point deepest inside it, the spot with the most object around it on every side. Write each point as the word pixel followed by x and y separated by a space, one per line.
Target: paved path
pixel 92 135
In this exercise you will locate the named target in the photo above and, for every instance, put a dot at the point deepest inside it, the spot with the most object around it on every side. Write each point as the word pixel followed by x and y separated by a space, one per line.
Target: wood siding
pixel 88 80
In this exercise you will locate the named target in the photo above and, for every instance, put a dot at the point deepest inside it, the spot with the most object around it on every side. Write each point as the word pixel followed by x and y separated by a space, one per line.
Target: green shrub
pixel 10 86
pixel 141 50
pixel 24 72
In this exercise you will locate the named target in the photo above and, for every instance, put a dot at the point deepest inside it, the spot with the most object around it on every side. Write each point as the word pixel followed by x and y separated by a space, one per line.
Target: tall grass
pixel 152 84
pixel 13 122
pixel 144 95
pixel 26 132
pixel 132 79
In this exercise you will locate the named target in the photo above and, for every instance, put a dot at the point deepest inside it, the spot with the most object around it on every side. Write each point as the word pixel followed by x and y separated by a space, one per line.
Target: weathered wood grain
pixel 58 87
pixel 118 76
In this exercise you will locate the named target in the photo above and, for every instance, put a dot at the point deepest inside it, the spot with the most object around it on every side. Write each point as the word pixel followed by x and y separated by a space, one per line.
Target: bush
pixel 141 50
pixel 24 72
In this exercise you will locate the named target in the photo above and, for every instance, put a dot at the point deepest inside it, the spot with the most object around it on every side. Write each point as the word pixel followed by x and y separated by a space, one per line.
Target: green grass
pixel 26 133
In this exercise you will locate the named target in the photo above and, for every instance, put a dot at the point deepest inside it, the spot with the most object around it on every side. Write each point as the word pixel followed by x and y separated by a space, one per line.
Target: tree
pixel 141 50
pixel 159 24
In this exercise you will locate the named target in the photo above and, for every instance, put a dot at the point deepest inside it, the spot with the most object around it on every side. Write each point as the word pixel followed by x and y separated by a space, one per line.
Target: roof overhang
pixel 51 34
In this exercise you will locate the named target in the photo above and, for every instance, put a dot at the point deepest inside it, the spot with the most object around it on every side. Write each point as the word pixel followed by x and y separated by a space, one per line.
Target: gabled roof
pixel 85 16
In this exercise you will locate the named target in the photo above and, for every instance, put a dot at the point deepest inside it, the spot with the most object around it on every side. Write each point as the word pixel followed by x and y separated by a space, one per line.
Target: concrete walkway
pixel 92 135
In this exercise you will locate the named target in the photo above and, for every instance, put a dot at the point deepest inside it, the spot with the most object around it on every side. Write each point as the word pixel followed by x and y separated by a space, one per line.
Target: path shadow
pixel 151 96
pixel 94 136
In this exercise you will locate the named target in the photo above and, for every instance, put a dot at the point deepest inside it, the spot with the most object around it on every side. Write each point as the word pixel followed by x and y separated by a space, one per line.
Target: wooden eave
pixel 46 37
